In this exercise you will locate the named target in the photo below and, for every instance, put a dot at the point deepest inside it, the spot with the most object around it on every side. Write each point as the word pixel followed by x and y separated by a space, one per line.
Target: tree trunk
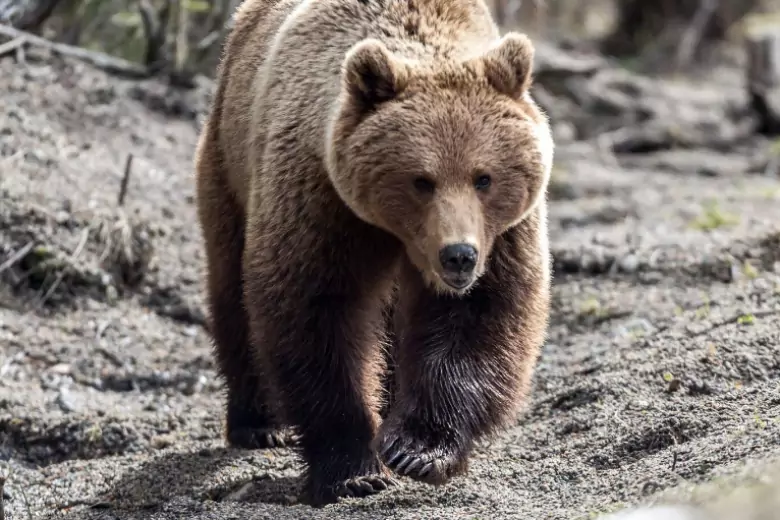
pixel 644 22
pixel 27 15
pixel 763 78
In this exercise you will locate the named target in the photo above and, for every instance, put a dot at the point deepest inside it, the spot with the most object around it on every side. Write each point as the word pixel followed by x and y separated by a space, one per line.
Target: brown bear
pixel 372 180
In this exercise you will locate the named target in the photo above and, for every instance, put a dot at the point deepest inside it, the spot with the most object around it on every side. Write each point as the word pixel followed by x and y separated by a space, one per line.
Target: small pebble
pixel 62 217
pixel 61 369
pixel 67 401
pixel 160 442
pixel 629 264
pixel 641 404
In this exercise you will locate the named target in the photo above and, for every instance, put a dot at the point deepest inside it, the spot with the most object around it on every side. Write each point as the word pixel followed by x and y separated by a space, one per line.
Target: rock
pixel 68 401
pixel 629 264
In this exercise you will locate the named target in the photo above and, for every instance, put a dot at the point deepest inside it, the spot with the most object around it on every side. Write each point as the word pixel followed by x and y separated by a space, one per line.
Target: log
pixel 109 64
pixel 763 78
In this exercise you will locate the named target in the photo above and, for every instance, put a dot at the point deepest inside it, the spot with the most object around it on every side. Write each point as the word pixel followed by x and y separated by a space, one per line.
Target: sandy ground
pixel 661 368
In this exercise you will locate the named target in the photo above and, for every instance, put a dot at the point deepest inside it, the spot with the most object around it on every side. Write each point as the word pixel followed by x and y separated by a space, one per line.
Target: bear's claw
pixel 408 457
pixel 261 438
pixel 359 487
pixel 355 487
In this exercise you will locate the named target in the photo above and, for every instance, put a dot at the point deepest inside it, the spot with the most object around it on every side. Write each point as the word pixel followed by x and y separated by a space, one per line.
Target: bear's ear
pixel 508 65
pixel 371 75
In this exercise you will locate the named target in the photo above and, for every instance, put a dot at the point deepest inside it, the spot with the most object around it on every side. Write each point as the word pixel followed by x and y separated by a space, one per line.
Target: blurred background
pixel 188 33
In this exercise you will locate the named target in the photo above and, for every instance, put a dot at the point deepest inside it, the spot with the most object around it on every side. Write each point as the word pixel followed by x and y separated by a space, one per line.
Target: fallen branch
pixel 109 64
pixel 8 47
pixel 657 135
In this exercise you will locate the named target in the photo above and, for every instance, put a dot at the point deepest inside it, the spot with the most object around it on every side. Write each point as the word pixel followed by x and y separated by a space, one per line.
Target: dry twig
pixel 16 257
pixel 125 180
pixel 76 252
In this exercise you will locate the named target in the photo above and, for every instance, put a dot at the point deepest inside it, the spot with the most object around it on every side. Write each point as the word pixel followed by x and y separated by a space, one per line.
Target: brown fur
pixel 348 144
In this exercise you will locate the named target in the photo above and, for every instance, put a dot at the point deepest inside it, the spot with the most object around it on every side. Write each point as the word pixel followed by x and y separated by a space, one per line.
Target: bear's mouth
pixel 458 282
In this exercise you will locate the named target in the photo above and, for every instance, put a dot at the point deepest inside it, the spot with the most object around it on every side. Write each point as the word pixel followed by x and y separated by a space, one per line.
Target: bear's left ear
pixel 371 75
pixel 508 65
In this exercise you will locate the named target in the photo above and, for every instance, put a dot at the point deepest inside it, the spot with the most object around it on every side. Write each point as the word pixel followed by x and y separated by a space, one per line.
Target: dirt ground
pixel 662 366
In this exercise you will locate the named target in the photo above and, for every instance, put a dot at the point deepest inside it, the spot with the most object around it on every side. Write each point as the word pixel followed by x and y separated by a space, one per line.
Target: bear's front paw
pixel 261 438
pixel 434 458
pixel 364 486
pixel 323 492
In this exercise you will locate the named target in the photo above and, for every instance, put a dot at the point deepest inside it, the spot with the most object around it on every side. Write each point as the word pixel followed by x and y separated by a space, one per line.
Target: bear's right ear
pixel 509 64
pixel 371 75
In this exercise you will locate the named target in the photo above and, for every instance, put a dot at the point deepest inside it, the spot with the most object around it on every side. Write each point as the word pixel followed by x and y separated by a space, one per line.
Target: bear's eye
pixel 424 185
pixel 482 182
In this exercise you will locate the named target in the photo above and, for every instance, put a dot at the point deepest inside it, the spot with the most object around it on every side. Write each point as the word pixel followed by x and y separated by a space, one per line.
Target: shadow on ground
pixel 193 475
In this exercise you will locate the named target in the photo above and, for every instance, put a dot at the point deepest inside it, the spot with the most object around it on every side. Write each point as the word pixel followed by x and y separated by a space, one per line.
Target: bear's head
pixel 445 157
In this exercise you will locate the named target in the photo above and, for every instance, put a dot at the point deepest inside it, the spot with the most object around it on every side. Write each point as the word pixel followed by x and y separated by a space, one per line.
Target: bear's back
pixel 246 48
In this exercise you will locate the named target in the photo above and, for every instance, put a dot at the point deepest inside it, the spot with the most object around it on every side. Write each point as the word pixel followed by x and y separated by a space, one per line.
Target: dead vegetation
pixel 113 253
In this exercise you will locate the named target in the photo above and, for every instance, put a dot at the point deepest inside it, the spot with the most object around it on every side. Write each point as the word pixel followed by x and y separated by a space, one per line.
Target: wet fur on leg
pixel 465 362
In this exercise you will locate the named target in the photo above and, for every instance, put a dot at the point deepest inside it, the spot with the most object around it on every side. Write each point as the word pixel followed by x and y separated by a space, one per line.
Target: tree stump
pixel 763 78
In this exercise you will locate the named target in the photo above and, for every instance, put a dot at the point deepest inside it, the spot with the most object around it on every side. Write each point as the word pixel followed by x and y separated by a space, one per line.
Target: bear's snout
pixel 458 262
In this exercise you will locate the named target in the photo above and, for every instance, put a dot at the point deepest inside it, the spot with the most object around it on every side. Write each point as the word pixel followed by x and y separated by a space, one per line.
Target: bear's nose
pixel 458 258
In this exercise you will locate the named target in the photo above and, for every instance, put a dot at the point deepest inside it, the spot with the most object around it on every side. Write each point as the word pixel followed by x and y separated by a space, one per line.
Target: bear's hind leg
pixel 249 422
pixel 464 362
